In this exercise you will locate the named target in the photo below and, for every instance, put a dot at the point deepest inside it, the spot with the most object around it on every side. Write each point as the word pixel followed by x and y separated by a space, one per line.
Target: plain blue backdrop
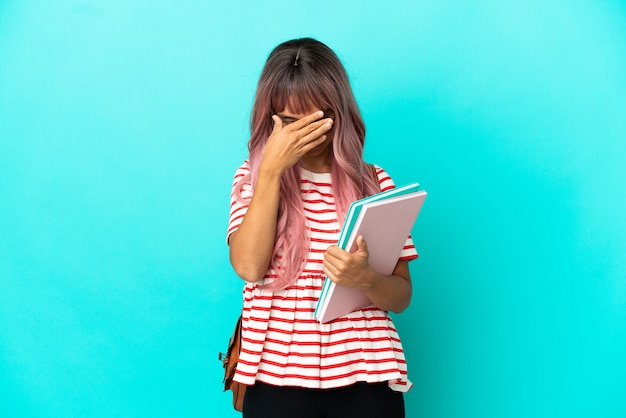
pixel 122 123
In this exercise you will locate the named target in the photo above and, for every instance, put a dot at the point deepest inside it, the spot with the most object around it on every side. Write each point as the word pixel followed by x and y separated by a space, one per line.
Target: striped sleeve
pixel 386 183
pixel 239 205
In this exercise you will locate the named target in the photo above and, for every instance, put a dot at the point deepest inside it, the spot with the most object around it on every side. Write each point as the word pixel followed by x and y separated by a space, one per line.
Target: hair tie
pixel 295 63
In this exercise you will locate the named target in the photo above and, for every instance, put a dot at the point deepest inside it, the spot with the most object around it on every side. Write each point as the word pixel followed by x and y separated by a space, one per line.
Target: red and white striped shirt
pixel 283 344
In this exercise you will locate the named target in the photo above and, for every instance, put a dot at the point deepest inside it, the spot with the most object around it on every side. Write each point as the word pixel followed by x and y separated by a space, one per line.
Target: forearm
pixel 393 292
pixel 252 245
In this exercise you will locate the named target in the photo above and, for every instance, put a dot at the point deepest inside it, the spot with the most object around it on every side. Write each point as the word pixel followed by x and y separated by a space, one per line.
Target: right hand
pixel 288 143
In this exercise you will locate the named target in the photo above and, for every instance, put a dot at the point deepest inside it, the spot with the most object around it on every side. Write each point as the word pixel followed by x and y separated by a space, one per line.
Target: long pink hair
pixel 302 73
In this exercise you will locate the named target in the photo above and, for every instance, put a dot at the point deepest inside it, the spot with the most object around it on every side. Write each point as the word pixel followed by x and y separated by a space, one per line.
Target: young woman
pixel 289 200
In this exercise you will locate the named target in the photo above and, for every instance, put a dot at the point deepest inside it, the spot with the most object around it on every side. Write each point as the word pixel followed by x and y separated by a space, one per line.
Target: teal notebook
pixel 385 220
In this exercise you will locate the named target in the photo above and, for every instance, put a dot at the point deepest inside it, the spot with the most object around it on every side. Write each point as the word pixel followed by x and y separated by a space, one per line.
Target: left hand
pixel 349 269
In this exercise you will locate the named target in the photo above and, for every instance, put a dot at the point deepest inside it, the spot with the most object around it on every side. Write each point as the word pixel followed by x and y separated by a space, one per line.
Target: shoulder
pixel 384 179
pixel 242 171
pixel 244 167
pixel 242 181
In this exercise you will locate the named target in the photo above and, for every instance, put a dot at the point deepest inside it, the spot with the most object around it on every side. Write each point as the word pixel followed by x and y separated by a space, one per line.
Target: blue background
pixel 122 123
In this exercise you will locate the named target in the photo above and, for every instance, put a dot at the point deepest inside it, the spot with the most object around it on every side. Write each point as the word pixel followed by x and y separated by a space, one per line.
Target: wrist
pixel 270 172
pixel 370 279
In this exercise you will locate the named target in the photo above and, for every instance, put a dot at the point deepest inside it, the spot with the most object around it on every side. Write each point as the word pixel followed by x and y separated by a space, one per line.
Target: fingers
pixel 333 254
pixel 278 123
pixel 307 120
pixel 306 129
pixel 311 144
pixel 314 132
pixel 330 267
pixel 330 273
pixel 310 123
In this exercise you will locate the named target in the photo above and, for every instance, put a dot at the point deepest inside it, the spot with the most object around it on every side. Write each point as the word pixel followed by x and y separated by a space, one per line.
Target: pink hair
pixel 302 74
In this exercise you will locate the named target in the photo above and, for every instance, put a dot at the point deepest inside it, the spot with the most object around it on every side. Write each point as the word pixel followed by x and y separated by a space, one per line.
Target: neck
pixel 316 165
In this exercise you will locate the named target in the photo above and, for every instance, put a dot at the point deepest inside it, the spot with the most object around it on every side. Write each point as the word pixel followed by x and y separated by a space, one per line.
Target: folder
pixel 385 220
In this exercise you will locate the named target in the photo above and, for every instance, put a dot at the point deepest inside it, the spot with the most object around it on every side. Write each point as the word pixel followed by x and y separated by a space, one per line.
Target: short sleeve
pixel 239 198
pixel 386 183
